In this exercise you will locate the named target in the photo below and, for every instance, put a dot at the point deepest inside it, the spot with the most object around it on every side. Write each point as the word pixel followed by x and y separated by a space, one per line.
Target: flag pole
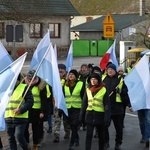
pixel 33 77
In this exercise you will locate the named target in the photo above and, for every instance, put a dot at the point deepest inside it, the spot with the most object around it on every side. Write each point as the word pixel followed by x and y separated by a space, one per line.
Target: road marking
pixel 131 115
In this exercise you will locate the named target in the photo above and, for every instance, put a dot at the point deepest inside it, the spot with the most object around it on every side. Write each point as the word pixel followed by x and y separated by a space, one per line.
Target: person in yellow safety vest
pixel 84 74
pixel 128 69
pixel 37 113
pixel 16 115
pixel 118 95
pixel 96 104
pixel 73 92
pixel 58 113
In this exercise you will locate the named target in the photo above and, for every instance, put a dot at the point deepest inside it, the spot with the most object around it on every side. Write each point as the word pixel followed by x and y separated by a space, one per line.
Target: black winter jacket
pixel 111 84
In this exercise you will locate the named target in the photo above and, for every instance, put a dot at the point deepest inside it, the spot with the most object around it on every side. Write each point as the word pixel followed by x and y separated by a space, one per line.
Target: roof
pixel 121 21
pixel 38 7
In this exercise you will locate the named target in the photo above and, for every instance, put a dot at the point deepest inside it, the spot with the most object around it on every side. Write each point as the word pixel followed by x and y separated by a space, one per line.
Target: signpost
pixel 108 26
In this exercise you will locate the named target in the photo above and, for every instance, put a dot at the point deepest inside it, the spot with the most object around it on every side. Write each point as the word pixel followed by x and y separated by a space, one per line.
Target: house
pixel 23 24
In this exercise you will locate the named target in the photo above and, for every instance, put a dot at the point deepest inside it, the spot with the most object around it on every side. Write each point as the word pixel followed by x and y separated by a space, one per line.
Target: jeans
pixel 144 122
pixel 16 131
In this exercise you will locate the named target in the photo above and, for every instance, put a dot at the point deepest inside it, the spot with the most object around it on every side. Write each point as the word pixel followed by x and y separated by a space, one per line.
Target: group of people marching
pixel 93 98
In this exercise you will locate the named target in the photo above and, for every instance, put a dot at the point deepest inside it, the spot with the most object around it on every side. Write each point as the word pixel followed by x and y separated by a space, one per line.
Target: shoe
pixel 39 145
pixel 117 147
pixel 71 147
pixel 106 146
pixel 142 141
pixel 49 130
pixel 76 142
pixel 147 144
pixel 66 136
pixel 56 139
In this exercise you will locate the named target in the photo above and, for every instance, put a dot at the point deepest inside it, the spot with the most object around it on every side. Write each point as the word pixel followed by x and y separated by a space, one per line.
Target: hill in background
pixel 102 7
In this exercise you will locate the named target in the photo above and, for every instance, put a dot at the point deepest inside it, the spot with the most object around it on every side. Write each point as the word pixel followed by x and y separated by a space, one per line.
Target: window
pixel 1 29
pixel 36 30
pixel 54 30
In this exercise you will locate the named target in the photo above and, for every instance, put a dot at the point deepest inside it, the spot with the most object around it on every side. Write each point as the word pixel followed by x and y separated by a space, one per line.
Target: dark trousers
pixel 118 124
pixel 89 136
pixel 74 134
pixel 16 131
pixel 35 131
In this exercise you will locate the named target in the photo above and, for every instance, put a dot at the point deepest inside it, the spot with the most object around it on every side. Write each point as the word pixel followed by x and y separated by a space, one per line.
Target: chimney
pixel 142 7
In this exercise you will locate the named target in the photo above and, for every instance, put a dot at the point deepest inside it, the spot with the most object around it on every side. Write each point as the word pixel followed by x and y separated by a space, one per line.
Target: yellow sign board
pixel 108 26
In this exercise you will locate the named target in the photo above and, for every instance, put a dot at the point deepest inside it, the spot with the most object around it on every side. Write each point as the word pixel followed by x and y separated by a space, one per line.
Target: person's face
pixel 111 72
pixel 62 72
pixel 71 77
pixel 120 72
pixel 94 81
pixel 84 69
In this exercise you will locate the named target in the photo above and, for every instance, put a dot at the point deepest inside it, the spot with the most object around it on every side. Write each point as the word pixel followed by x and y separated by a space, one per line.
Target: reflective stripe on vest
pixel 118 97
pixel 48 91
pixel 36 97
pixel 14 102
pixel 96 103
pixel 73 100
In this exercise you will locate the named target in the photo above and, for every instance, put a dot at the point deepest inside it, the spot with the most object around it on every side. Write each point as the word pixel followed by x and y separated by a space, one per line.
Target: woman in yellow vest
pixel 16 117
pixel 73 92
pixel 96 104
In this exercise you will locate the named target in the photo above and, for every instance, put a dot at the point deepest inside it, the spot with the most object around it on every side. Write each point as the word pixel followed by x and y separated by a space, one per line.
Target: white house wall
pixel 64 40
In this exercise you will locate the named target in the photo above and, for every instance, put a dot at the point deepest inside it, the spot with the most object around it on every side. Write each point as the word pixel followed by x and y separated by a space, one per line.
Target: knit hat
pixel 61 66
pixel 30 74
pixel 96 76
pixel 74 72
pixel 120 68
pixel 112 66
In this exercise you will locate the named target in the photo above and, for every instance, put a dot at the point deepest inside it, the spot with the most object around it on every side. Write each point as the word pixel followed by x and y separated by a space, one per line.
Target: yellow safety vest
pixel 129 69
pixel 62 82
pixel 96 103
pixel 14 102
pixel 118 97
pixel 48 91
pixel 36 97
pixel 73 100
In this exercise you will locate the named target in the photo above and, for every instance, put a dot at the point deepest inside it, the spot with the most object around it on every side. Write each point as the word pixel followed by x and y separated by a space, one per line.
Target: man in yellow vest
pixel 118 95
pixel 16 115
pixel 128 70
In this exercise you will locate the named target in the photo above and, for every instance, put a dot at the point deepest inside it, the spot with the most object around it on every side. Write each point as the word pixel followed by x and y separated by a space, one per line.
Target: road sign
pixel 108 26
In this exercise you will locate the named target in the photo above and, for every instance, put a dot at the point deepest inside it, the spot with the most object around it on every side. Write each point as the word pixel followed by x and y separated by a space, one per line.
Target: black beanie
pixel 96 76
pixel 61 66
pixel 74 72
pixel 112 66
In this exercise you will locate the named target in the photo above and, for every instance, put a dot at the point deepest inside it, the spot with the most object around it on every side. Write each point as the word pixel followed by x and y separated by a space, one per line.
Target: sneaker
pixel 56 139
pixel 117 147
pixel 142 141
